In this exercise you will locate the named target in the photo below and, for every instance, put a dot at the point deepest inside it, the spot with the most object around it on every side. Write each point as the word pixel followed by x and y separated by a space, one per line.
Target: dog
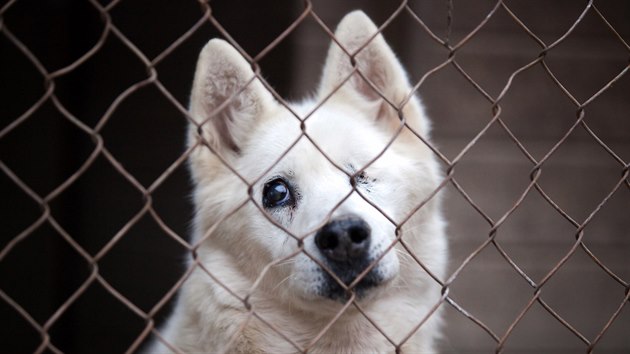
pixel 317 225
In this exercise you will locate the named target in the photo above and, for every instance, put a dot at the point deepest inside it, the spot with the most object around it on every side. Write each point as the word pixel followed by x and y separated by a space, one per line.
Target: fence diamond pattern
pixel 89 258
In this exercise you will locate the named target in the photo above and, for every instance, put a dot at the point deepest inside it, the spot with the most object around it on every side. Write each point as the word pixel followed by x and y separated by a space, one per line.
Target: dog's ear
pixel 378 64
pixel 226 99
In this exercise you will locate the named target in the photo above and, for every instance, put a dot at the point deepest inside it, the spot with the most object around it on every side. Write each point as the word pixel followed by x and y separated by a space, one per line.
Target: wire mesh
pixel 91 260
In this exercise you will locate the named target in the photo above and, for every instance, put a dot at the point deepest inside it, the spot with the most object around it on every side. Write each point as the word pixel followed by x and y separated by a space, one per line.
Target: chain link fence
pixel 531 111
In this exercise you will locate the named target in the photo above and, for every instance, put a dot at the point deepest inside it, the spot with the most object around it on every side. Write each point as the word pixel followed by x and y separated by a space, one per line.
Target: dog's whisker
pixel 404 257
pixel 285 262
pixel 281 282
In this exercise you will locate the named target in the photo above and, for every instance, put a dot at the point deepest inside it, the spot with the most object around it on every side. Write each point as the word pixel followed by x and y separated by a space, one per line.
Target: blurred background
pixel 45 279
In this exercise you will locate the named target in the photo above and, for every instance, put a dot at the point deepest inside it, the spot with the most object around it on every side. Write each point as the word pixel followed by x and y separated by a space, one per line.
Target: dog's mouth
pixel 332 289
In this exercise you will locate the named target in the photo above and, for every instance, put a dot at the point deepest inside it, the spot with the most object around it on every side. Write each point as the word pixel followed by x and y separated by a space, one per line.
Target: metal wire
pixel 206 16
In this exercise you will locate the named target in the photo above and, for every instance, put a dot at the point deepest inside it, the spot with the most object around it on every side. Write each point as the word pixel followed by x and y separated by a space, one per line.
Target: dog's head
pixel 321 189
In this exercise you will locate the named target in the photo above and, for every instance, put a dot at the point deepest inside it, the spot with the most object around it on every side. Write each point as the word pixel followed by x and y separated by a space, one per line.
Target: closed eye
pixel 361 179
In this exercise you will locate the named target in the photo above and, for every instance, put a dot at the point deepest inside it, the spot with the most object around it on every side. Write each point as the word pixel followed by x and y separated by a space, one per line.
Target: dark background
pixel 145 134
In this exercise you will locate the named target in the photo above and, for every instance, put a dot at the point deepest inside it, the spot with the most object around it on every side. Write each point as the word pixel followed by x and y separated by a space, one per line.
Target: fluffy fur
pixel 240 234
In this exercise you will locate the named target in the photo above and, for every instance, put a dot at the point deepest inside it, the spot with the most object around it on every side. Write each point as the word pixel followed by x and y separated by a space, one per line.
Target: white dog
pixel 311 222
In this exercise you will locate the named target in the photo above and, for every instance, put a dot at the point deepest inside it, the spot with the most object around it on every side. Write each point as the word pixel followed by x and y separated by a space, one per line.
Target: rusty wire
pixel 206 17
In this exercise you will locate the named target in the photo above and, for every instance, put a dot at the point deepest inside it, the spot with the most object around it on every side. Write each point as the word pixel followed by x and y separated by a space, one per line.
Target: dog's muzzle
pixel 345 246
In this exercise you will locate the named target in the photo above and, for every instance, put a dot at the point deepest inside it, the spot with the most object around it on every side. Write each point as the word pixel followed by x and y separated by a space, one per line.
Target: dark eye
pixel 276 193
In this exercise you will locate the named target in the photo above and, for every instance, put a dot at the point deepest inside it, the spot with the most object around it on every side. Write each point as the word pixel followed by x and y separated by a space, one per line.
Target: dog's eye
pixel 276 193
pixel 364 181
pixel 362 178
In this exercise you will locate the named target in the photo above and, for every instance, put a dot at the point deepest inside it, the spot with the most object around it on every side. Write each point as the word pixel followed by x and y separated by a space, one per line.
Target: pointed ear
pixel 377 63
pixel 227 99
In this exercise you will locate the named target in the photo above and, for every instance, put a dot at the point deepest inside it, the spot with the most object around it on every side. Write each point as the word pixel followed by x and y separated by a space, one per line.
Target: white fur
pixel 250 132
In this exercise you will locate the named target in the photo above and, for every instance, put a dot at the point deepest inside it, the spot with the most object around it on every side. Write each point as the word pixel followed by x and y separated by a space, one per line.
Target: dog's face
pixel 309 192
pixel 321 189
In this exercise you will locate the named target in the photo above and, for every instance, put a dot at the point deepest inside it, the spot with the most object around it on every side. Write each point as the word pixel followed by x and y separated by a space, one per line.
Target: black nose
pixel 344 240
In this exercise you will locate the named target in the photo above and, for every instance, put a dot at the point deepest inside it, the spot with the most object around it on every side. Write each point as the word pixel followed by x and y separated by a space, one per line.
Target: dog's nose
pixel 345 239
